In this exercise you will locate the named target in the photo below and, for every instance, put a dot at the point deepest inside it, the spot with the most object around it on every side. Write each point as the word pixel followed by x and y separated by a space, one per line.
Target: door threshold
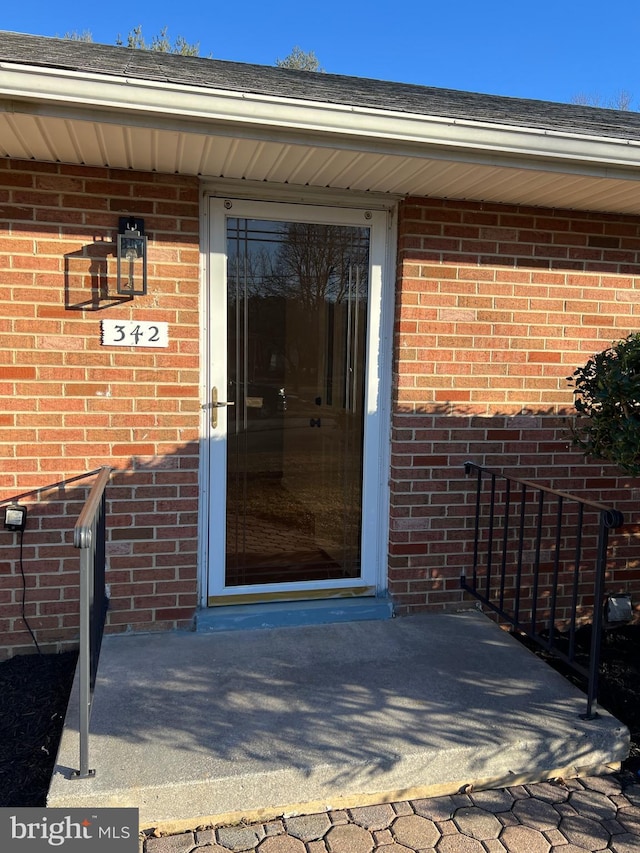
pixel 286 614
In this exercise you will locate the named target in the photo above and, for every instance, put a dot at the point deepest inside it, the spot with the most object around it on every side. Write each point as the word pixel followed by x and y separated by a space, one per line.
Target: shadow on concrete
pixel 187 725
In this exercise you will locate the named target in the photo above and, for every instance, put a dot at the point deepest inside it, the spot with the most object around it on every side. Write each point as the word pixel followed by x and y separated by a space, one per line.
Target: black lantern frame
pixel 132 257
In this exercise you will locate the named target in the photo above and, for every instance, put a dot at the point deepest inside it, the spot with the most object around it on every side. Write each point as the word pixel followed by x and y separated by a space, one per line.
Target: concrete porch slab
pixel 194 728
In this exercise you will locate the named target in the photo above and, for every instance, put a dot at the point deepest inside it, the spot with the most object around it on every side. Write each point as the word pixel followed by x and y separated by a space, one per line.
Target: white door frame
pixel 375 516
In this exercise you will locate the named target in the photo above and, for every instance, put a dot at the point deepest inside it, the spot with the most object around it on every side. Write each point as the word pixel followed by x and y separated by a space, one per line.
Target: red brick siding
pixel 70 405
pixel 496 306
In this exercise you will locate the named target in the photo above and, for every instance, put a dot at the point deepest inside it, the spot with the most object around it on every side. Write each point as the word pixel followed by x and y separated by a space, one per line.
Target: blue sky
pixel 548 49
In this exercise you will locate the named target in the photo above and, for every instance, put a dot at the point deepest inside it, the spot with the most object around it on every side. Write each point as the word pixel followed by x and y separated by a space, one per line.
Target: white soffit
pixel 256 150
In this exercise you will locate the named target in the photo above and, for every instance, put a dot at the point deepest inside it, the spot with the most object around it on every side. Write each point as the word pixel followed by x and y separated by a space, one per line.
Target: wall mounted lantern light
pixel 132 257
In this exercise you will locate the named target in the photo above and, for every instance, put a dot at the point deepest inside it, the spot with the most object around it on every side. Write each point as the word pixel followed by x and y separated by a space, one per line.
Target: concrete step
pixel 210 727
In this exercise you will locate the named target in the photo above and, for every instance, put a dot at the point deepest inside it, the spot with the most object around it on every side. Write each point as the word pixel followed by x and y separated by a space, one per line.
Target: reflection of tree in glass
pixel 315 260
pixel 315 268
pixel 297 282
pixel 304 261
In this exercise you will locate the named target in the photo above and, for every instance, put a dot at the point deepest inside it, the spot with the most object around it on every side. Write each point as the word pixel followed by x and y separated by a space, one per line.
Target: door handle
pixel 217 404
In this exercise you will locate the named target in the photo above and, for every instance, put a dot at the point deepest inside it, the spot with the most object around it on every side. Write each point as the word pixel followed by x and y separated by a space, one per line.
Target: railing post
pixel 608 520
pixel 89 537
pixel 84 664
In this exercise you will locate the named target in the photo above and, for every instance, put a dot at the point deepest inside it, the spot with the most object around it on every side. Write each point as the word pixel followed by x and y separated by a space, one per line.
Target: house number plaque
pixel 134 333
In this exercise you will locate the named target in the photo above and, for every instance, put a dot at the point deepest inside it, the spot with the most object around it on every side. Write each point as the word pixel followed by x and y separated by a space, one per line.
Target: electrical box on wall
pixel 15 517
pixel 618 608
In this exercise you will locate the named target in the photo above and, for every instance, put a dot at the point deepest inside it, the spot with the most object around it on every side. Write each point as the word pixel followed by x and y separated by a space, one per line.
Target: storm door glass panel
pixel 297 321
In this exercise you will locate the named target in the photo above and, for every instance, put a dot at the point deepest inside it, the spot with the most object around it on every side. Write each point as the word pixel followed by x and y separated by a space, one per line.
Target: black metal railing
pixel 539 561
pixel 89 536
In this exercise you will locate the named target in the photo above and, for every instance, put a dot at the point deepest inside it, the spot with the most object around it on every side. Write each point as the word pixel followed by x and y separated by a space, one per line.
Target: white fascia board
pixel 129 97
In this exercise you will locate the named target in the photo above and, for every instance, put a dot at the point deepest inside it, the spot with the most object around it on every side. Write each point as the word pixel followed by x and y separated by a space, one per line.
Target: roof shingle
pixel 187 71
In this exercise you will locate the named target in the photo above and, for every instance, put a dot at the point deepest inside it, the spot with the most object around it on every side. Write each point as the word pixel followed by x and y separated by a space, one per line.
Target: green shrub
pixel 607 399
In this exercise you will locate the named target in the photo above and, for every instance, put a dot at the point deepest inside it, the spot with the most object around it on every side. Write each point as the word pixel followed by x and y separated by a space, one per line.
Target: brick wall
pixel 496 306
pixel 70 405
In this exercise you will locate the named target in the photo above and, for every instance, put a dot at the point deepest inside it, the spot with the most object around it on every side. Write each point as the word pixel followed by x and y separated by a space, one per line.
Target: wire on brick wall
pixel 24 594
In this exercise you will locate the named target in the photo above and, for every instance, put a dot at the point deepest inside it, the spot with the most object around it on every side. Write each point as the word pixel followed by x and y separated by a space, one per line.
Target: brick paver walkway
pixel 590 814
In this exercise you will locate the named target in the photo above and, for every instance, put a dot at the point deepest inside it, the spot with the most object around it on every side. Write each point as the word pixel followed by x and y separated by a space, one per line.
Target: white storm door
pixel 294 426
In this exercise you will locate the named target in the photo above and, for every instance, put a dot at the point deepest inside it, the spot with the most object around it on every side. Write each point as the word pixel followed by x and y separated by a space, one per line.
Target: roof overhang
pixel 55 115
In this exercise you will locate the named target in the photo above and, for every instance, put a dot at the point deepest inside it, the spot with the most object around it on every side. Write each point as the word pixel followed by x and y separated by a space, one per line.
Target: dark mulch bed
pixel 34 691
pixel 619 689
